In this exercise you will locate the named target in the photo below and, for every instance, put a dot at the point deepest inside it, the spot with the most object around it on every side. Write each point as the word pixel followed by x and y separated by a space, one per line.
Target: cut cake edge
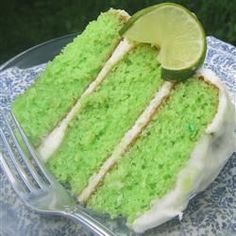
pixel 207 159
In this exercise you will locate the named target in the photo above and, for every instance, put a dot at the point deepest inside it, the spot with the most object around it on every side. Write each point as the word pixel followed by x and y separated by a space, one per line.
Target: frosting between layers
pixel 53 140
pixel 129 137
pixel 207 159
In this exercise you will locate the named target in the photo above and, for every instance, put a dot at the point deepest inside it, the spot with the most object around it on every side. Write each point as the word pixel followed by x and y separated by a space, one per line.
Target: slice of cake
pixel 120 138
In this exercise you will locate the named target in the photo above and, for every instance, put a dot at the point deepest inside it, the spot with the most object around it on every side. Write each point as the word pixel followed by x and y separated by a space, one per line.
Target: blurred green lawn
pixel 25 23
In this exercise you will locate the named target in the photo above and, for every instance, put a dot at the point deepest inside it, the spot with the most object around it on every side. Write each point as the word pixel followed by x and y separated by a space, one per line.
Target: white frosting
pixel 53 140
pixel 129 137
pixel 207 159
pixel 123 13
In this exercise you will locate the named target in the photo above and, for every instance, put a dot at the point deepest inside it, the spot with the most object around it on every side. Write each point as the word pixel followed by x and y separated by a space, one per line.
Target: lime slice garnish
pixel 176 32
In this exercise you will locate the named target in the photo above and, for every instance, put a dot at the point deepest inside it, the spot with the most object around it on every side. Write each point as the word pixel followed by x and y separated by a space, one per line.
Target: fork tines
pixel 18 159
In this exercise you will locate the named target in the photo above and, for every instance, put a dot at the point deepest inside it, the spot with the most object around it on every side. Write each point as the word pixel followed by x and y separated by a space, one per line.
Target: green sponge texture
pixel 57 89
pixel 105 116
pixel 148 170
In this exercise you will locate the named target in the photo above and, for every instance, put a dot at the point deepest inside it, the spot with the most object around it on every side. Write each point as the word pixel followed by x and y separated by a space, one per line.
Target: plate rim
pixel 10 61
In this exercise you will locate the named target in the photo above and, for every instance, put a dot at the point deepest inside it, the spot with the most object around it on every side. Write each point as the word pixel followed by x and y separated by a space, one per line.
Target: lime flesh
pixel 176 32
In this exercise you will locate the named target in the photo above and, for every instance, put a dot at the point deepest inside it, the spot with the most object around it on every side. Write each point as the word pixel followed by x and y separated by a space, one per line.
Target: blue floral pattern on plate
pixel 212 212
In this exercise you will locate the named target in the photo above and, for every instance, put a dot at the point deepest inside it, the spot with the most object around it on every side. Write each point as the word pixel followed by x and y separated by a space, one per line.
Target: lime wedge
pixel 176 32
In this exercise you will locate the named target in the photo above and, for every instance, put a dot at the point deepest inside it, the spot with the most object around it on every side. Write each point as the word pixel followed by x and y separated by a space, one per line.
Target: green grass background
pixel 25 23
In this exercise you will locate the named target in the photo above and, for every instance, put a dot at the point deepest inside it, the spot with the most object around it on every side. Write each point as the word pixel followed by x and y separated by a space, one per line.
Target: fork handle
pixel 93 225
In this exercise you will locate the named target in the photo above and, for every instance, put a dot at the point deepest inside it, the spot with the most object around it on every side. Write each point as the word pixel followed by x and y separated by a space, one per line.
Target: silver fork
pixel 36 187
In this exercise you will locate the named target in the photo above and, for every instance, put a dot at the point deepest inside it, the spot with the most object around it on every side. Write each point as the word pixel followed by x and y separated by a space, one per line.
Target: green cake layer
pixel 149 169
pixel 57 89
pixel 105 116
